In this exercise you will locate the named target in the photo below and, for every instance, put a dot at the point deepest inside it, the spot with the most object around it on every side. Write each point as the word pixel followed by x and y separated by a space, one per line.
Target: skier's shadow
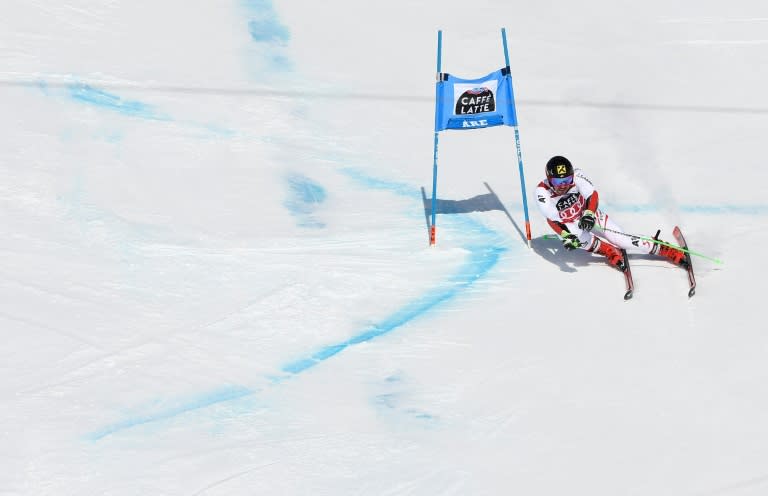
pixel 480 203
pixel 552 250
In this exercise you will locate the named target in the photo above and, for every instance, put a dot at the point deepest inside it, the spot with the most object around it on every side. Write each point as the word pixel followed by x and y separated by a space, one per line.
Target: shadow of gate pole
pixel 480 203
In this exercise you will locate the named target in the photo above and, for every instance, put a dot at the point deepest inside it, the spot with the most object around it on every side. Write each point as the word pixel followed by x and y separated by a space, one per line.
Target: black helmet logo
pixel 559 166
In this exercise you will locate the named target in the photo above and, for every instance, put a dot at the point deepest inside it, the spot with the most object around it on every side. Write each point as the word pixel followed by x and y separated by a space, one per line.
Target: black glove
pixel 587 221
pixel 570 241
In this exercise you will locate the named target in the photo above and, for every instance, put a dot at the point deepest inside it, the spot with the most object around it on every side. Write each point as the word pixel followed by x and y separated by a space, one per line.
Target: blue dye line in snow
pixel 361 177
pixel 481 261
pixel 468 224
pixel 99 98
pixel 693 209
pixel 407 190
pixel 726 209
pixel 219 396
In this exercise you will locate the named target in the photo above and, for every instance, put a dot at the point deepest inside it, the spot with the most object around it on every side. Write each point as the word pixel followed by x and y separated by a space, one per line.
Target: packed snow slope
pixel 215 271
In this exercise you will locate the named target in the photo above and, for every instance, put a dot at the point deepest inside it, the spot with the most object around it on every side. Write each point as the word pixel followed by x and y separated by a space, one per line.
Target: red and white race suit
pixel 564 211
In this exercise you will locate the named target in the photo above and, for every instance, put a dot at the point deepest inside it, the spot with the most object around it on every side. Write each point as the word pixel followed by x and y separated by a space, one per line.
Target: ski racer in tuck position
pixel 570 202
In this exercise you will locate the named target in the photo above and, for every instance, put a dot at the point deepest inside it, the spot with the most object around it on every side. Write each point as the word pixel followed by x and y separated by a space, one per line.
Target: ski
pixel 678 234
pixel 627 276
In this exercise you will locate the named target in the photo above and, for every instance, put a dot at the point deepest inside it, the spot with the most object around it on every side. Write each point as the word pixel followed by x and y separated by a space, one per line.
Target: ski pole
pixel 651 240
pixel 659 242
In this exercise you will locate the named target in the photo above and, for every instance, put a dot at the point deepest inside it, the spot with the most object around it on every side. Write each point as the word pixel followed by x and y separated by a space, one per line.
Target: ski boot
pixel 615 259
pixel 674 255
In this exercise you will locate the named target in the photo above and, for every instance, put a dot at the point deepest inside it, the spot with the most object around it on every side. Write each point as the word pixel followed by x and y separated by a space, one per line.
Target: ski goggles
pixel 558 182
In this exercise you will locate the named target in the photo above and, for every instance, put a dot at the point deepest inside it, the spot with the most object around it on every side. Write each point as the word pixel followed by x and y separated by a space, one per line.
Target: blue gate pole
pixel 432 228
pixel 517 144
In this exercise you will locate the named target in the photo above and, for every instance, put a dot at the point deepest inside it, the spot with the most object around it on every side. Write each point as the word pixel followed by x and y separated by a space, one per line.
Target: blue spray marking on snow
pixel 102 99
pixel 216 130
pixel 110 136
pixel 466 224
pixel 305 196
pixel 360 177
pixel 480 261
pixel 43 86
pixel 96 97
pixel 220 396
pixel 726 209
pixel 392 402
pixel 265 28
pixel 268 30
pixel 723 209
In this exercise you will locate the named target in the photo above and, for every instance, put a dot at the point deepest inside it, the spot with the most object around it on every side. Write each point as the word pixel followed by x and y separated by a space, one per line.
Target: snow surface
pixel 215 276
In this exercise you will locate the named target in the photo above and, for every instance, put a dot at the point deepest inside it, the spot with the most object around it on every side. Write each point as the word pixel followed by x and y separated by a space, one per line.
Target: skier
pixel 570 203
